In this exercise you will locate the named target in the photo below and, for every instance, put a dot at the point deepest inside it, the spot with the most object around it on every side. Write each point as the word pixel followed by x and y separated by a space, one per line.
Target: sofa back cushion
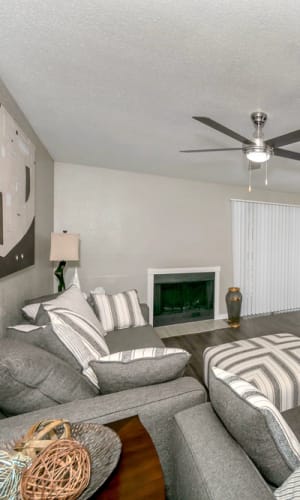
pixel 256 424
pixel 44 337
pixel 31 378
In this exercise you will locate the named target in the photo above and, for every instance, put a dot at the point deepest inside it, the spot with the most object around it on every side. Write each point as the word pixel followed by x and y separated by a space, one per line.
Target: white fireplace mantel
pixel 182 270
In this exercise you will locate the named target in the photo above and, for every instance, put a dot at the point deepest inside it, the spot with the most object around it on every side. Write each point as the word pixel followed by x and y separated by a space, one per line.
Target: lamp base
pixel 59 273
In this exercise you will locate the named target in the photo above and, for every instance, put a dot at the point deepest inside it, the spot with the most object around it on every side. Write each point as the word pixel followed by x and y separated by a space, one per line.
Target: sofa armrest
pixel 209 464
pixel 156 406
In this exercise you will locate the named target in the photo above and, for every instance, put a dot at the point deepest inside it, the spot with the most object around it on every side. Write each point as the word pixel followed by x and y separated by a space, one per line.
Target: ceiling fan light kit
pixel 258 151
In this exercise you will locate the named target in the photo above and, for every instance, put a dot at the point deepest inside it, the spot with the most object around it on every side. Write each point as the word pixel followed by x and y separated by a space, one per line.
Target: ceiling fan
pixel 257 150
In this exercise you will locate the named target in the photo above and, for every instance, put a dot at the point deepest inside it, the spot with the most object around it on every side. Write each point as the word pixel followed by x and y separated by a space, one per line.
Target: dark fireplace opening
pixel 180 298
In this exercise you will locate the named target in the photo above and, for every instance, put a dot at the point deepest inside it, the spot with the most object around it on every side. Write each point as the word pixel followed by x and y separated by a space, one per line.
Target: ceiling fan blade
pixel 292 155
pixel 207 150
pixel 222 129
pixel 284 140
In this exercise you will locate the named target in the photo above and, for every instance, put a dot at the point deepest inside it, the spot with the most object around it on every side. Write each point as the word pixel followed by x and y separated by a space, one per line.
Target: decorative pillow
pixel 72 299
pixel 118 311
pixel 31 379
pixel 45 338
pixel 290 489
pixel 256 425
pixel 139 367
pixel 80 336
pixel 32 306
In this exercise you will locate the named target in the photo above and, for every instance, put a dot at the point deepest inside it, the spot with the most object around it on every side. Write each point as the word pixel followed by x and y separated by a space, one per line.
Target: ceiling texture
pixel 115 83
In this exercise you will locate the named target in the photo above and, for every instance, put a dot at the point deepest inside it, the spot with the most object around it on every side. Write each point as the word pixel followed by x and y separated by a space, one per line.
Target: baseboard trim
pixel 221 316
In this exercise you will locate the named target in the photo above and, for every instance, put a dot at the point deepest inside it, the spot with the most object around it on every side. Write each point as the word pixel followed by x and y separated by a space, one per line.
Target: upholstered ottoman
pixel 271 363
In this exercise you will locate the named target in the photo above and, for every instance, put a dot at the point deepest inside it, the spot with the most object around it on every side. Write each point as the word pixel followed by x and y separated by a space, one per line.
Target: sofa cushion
pixel 31 378
pixel 44 337
pixel 133 338
pixel 118 311
pixel 256 425
pixel 81 337
pixel 140 367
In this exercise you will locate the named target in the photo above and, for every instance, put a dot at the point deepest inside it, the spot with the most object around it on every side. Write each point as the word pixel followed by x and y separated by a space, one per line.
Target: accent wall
pixel 36 279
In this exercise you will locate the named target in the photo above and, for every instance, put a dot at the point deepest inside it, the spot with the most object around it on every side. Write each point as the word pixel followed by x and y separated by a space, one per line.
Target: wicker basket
pixel 40 435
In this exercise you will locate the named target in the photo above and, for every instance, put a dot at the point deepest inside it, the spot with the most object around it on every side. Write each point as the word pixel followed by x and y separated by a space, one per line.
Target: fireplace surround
pixel 181 295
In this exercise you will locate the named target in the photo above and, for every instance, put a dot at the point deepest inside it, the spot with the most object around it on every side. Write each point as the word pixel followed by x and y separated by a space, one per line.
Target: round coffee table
pixel 138 474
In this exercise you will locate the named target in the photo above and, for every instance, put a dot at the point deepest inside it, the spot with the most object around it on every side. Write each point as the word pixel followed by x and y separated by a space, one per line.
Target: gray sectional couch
pixel 200 459
pixel 155 405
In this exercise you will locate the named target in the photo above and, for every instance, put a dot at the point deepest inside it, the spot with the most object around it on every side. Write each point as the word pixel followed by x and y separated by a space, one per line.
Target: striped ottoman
pixel 271 363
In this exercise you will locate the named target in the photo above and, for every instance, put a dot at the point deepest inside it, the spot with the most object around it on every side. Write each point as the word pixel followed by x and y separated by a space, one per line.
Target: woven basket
pixel 104 446
pixel 61 471
pixel 41 434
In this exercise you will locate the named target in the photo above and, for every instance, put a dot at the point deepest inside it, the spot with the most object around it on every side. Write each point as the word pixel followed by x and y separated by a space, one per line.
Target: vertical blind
pixel 266 255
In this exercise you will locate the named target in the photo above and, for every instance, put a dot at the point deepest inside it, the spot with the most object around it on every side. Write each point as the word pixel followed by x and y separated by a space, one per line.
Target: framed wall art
pixel 17 196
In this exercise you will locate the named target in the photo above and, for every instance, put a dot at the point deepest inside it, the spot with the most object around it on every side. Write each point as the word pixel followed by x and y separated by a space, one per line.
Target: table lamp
pixel 64 247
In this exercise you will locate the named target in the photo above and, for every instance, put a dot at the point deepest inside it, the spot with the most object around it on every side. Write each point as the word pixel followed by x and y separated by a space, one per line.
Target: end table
pixel 138 474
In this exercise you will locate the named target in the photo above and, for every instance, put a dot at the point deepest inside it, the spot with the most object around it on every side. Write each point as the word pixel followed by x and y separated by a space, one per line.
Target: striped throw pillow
pixel 290 489
pixel 256 425
pixel 81 337
pixel 73 300
pixel 139 367
pixel 118 311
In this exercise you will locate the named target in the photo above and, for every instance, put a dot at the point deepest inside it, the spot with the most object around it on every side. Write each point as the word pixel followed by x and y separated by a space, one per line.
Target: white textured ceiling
pixel 115 83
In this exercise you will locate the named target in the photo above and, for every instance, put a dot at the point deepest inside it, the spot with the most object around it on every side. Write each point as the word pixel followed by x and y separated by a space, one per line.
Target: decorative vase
pixel 234 304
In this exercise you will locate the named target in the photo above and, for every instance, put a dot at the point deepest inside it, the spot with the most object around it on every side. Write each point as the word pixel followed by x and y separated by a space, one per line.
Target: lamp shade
pixel 64 246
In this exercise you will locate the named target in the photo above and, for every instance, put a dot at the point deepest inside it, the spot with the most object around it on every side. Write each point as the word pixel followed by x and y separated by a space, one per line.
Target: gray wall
pixel 129 222
pixel 37 279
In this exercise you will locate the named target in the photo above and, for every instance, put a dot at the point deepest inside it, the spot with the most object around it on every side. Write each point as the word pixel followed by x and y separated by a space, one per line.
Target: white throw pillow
pixel 73 300
pixel 118 311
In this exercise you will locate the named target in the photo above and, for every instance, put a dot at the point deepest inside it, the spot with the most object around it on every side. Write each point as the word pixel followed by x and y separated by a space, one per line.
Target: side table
pixel 138 474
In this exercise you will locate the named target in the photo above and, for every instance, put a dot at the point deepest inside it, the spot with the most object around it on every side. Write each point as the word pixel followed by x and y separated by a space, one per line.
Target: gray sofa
pixel 155 405
pixel 210 465
pixel 200 459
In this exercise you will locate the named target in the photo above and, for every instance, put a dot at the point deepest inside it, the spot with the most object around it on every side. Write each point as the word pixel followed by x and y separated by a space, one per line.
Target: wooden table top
pixel 138 474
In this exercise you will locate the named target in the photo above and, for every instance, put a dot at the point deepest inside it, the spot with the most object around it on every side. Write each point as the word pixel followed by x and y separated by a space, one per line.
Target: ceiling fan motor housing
pixel 258 151
pixel 259 118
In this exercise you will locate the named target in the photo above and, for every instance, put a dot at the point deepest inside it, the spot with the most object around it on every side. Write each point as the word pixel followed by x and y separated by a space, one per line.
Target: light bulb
pixel 258 156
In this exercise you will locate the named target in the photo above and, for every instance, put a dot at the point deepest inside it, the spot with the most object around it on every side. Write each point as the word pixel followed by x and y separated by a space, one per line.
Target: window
pixel 266 255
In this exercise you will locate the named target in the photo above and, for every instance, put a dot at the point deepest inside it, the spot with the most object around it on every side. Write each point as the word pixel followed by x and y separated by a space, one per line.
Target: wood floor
pixel 252 327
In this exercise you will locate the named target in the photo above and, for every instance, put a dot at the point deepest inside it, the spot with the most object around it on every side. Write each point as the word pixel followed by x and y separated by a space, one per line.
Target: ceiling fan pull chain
pixel 249 177
pixel 266 172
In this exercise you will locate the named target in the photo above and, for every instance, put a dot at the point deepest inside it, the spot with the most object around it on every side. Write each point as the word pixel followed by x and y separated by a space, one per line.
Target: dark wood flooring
pixel 251 327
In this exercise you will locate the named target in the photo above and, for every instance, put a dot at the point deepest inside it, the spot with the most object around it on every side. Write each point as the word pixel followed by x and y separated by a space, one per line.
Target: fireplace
pixel 182 295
